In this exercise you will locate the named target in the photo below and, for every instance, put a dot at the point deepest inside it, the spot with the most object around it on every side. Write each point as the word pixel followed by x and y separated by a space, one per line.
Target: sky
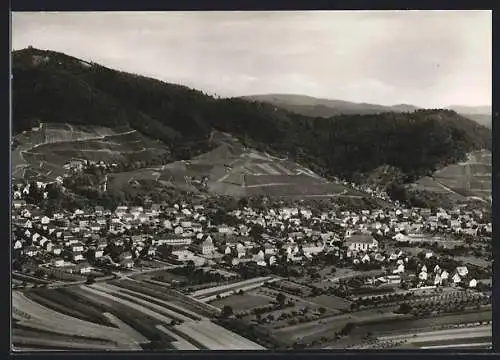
pixel 424 58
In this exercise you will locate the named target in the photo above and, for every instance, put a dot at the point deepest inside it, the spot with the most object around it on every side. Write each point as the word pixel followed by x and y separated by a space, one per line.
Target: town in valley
pixel 170 190
pixel 280 274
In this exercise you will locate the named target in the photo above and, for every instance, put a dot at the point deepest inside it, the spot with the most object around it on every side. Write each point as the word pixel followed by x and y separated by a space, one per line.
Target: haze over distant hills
pixel 480 114
pixel 320 107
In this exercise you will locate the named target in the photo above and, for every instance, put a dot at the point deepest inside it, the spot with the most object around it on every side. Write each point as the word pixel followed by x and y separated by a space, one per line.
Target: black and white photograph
pixel 251 180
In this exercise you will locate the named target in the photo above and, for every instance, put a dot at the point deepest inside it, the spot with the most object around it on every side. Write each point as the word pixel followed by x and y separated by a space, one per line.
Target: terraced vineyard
pixel 44 151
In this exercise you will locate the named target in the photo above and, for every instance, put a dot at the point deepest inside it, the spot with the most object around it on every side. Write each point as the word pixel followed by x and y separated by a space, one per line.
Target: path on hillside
pixel 455 193
pixel 90 138
pixel 225 176
pixel 446 187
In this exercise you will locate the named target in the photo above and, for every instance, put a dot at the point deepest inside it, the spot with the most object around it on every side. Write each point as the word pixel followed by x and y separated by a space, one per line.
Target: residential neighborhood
pixel 103 240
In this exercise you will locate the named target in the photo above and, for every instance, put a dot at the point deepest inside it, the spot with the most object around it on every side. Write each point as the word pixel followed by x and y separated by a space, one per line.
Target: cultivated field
pixel 331 301
pixel 246 301
pixel 122 315
pixel 465 337
pixel 209 294
pixel 44 151
pixel 470 178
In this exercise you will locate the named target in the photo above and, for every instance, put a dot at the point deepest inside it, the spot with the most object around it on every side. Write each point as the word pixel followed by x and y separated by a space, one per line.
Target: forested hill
pixel 53 87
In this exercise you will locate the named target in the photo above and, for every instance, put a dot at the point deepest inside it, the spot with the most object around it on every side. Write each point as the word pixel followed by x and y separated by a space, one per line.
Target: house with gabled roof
pixel 456 279
pixel 57 249
pixel 361 243
pixel 77 256
pixel 83 268
pixel 57 262
pixel 18 244
pixel 462 271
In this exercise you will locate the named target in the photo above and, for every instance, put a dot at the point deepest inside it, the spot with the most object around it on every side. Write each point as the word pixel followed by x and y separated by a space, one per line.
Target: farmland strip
pixel 71 345
pixel 130 331
pixel 168 295
pixel 27 328
pixel 59 302
pixel 146 303
pixel 171 306
pixel 50 319
pixel 180 343
pixel 454 341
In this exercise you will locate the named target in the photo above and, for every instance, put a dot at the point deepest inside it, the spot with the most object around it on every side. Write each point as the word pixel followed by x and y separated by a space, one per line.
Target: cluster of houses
pixel 423 277
pixel 70 240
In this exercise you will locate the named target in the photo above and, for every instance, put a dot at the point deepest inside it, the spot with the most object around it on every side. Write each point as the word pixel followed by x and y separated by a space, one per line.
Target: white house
pixel 206 246
pixel 241 251
pixel 178 230
pixel 98 253
pixel 445 275
pixel 186 224
pixel 361 243
pixel 35 237
pixel 224 229
pixel 438 280
pixel 379 257
pixel 57 262
pixel 77 247
pixel 462 271
pixel 31 251
pixel 57 250
pixel 259 256
pixel 127 263
pixel 78 256
pixel 182 255
pixel 167 224
pixel 400 269
pixel 422 276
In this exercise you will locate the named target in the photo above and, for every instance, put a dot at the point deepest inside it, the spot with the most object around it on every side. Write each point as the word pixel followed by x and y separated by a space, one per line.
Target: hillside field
pixel 471 178
pixel 230 168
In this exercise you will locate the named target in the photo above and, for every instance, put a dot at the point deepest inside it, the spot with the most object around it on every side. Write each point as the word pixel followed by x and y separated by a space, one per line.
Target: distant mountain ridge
pixel 322 107
pixel 311 106
pixel 471 109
